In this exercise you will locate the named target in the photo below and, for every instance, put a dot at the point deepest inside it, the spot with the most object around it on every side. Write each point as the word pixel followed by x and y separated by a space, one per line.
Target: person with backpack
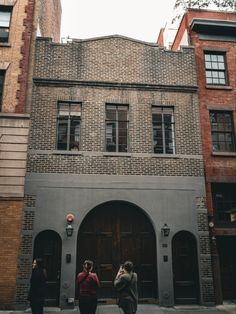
pixel 126 285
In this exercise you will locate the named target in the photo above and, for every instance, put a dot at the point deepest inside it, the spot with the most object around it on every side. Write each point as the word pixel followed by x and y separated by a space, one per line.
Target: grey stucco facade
pixel 167 188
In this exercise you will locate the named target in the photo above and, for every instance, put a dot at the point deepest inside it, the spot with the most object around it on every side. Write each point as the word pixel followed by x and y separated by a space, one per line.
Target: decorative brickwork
pixel 29 200
pixel 25 256
pixel 25 50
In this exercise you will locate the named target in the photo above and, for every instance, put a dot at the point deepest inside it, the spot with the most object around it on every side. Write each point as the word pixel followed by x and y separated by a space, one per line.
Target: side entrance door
pixel 185 268
pixel 227 252
pixel 112 233
pixel 47 246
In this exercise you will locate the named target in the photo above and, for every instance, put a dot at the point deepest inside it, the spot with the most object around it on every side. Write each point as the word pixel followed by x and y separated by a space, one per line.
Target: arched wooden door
pixel 112 233
pixel 47 245
pixel 185 268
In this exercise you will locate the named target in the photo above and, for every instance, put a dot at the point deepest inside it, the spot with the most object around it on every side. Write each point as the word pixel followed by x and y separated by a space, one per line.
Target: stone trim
pixel 139 86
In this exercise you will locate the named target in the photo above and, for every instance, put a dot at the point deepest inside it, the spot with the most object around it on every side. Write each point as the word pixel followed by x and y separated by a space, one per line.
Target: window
pixel 224 202
pixel 163 130
pixel 2 75
pixel 215 68
pixel 116 128
pixel 68 126
pixel 222 131
pixel 5 18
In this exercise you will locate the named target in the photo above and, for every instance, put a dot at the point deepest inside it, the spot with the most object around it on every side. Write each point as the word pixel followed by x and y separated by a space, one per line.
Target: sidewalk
pixel 144 309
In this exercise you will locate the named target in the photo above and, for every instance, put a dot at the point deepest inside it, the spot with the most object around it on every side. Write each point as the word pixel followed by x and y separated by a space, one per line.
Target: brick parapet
pixel 114 58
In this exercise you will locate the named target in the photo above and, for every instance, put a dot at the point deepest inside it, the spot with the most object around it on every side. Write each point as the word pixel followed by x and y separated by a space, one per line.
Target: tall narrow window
pixel 222 131
pixel 5 18
pixel 116 128
pixel 163 130
pixel 2 75
pixel 215 68
pixel 68 126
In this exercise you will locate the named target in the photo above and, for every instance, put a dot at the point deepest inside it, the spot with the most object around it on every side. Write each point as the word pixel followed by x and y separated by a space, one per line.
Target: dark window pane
pixel 68 126
pixel 222 131
pixel 224 202
pixel 5 17
pixel 163 128
pixel 74 134
pixel 116 128
pixel 62 134
pixel 111 136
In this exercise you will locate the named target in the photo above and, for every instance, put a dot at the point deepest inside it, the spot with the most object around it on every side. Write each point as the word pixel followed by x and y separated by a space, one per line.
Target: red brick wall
pixel 10 226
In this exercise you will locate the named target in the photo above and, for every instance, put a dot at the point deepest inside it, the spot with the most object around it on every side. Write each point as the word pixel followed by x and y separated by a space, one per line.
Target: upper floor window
pixel 68 125
pixel 222 131
pixel 5 18
pixel 116 128
pixel 163 130
pixel 2 75
pixel 224 202
pixel 215 68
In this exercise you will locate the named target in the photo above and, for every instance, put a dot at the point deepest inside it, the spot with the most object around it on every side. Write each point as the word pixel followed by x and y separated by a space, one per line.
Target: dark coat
pixel 37 285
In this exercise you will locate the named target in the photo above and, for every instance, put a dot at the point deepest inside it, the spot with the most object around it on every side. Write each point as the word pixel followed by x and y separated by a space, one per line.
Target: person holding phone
pixel 126 285
pixel 88 284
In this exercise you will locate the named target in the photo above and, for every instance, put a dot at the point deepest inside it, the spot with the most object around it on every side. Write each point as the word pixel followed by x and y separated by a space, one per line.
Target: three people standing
pixel 88 284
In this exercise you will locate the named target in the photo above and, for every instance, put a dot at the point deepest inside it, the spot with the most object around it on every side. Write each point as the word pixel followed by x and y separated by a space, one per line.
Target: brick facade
pixel 114 70
pixel 16 60
pixel 220 167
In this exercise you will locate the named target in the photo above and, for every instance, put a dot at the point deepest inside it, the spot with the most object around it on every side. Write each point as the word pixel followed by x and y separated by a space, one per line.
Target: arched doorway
pixel 47 245
pixel 185 268
pixel 112 233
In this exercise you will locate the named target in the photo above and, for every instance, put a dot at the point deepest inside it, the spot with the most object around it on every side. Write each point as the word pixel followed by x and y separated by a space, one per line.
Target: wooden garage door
pixel 112 233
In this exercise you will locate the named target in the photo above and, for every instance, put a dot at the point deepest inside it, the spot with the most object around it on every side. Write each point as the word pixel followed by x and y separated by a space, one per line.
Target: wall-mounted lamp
pixel 69 229
pixel 165 230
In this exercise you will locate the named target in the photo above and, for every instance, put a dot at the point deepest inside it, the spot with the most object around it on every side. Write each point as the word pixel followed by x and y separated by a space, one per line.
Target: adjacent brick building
pixel 212 34
pixel 19 22
pixel 115 141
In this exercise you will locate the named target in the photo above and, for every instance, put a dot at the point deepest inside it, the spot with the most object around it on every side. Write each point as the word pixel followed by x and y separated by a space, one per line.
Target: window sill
pixel 164 155
pixel 5 45
pixel 117 154
pixel 67 152
pixel 224 154
pixel 219 87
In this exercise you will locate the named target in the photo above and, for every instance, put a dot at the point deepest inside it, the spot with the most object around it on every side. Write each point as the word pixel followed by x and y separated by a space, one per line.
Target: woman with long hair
pixel 37 286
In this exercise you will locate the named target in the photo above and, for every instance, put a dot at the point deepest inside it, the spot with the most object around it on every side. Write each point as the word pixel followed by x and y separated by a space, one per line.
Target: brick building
pixel 19 21
pixel 115 144
pixel 212 34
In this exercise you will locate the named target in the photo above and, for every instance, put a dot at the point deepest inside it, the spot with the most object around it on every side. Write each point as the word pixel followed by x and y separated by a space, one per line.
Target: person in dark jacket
pixel 126 285
pixel 88 284
pixel 37 287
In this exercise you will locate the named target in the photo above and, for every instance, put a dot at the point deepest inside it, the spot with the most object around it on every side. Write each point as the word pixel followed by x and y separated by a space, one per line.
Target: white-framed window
pixel 116 128
pixel 163 130
pixel 5 19
pixel 215 68
pixel 68 125
pixel 222 131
